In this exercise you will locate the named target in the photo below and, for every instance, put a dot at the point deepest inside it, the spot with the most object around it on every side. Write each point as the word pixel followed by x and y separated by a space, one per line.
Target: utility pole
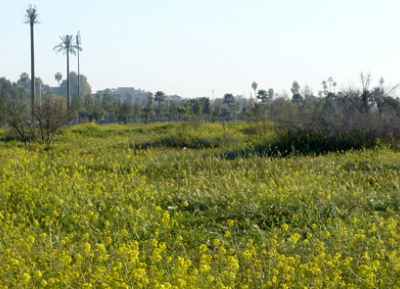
pixel 78 43
pixel 32 19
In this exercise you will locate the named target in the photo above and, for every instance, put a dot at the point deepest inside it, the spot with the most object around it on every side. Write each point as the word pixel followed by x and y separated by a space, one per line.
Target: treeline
pixel 350 118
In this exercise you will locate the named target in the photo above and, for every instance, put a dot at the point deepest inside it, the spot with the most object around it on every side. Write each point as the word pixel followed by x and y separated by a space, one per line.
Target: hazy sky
pixel 192 47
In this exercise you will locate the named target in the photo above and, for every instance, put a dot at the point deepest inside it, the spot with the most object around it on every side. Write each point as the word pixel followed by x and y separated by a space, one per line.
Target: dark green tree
pixel 159 98
pixel 196 107
pixel 254 87
pixel 5 103
pixel 262 94
pixel 233 105
pixel 207 108
pixel 185 110
pixel 148 110
pixel 58 76
pixel 125 110
pixel 296 98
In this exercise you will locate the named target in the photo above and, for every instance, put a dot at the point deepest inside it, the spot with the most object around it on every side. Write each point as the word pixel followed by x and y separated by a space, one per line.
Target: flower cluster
pixel 76 217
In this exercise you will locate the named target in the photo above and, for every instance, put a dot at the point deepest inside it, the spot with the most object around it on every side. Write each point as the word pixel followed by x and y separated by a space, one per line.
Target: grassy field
pixel 195 206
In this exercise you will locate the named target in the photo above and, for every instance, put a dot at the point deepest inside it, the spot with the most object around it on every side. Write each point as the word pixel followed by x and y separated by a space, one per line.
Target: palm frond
pixel 67 45
pixel 32 16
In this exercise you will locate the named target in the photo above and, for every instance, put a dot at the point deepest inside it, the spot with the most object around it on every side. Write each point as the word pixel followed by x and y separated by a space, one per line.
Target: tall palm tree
pixel 32 18
pixel 58 76
pixel 68 47
pixel 334 84
pixel 254 86
pixel 330 80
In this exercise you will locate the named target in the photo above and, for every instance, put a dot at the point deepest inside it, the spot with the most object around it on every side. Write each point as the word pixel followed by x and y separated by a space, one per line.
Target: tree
pixel 89 107
pixel 296 98
pixel 271 93
pixel 334 84
pixel 136 109
pixel 172 110
pixel 330 80
pixel 32 18
pixel 85 87
pixel 295 87
pixel 18 118
pixel 159 97
pixel 366 97
pixel 263 95
pixel 383 96
pixel 125 110
pixel 232 104
pixel 148 110
pixel 68 47
pixel 24 80
pixel 39 83
pixel 196 106
pixel 58 76
pixel 5 102
pixel 206 104
pixel 185 110
pixel 50 115
pixel 109 104
pixel 324 86
pixel 76 107
pixel 97 109
pixel 254 86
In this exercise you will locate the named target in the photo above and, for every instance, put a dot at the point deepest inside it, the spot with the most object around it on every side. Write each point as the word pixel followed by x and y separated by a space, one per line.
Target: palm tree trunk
pixel 68 95
pixel 33 87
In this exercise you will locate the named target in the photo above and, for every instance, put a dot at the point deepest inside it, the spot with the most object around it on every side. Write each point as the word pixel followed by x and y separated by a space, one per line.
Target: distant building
pixel 134 95
pixel 131 94
pixel 128 94
pixel 174 97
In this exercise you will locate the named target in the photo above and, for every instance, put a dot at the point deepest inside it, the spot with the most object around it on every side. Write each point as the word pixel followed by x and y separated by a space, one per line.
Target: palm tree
pixel 58 76
pixel 330 80
pixel 32 18
pixel 254 86
pixel 324 85
pixel 68 47
pixel 334 84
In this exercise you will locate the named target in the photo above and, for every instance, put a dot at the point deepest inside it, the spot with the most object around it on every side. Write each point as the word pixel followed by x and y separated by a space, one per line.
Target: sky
pixel 196 48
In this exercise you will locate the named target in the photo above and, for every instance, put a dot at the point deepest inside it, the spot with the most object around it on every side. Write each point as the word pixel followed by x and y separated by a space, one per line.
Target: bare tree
pixel 383 96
